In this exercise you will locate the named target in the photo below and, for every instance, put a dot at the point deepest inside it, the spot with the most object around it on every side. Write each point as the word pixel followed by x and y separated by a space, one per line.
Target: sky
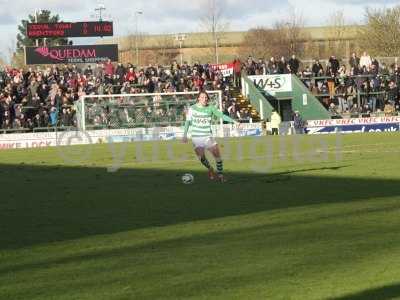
pixel 174 16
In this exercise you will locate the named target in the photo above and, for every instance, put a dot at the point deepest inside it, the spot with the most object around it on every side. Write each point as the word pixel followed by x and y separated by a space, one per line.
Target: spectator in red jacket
pixel 109 68
pixel 130 76
pixel 237 70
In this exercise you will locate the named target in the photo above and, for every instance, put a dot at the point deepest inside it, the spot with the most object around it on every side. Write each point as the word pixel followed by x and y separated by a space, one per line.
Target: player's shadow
pixel 386 292
pixel 41 204
pixel 334 168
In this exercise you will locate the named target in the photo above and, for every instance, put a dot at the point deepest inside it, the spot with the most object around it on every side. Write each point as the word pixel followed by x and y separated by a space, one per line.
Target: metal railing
pixel 380 92
pixel 37 129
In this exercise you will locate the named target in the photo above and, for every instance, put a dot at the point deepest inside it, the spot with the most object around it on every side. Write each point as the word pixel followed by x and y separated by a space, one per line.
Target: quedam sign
pixel 71 54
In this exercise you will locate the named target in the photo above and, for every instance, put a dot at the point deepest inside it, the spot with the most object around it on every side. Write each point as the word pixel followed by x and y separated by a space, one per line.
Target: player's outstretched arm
pixel 226 118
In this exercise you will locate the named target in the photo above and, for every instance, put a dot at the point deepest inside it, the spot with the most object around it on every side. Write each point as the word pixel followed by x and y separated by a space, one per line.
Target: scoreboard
pixel 69 29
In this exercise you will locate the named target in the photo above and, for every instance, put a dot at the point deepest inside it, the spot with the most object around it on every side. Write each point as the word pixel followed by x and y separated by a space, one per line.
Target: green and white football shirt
pixel 199 118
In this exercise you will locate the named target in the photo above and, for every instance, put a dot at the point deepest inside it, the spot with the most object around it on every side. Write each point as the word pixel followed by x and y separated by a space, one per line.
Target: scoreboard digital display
pixel 65 29
pixel 71 54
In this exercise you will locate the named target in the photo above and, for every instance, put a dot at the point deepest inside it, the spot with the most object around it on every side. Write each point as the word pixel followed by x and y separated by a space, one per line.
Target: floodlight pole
pixel 180 37
pixel 99 10
pixel 137 13
pixel 37 21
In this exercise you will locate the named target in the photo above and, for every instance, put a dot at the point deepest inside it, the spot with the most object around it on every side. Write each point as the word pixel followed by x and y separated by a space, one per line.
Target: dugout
pixel 285 93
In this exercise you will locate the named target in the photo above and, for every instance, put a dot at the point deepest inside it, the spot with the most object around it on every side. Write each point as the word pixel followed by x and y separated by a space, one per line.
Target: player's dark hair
pixel 202 92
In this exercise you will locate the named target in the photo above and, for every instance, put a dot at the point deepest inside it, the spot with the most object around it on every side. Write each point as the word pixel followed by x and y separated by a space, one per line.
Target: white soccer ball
pixel 187 178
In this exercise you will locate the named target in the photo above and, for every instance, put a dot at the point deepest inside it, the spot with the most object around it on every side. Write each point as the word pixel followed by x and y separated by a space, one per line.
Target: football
pixel 187 178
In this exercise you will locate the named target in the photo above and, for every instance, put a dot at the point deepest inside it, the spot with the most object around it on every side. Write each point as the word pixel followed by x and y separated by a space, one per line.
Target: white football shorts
pixel 204 142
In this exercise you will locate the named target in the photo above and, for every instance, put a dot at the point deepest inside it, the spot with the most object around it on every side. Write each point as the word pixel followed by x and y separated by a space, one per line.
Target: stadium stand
pixel 42 99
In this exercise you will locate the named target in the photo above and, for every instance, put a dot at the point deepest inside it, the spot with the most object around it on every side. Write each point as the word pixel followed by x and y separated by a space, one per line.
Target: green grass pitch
pixel 312 217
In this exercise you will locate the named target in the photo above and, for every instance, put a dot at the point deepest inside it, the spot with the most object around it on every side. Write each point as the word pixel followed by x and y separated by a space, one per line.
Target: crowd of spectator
pixel 361 86
pixel 43 97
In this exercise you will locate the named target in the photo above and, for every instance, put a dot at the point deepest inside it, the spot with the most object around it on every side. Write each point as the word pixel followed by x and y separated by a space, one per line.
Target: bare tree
pixel 337 31
pixel 18 59
pixel 258 42
pixel 290 31
pixel 4 58
pixel 2 61
pixel 284 39
pixel 214 23
pixel 337 23
pixel 135 43
pixel 381 34
pixel 311 48
pixel 14 57
pixel 165 51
